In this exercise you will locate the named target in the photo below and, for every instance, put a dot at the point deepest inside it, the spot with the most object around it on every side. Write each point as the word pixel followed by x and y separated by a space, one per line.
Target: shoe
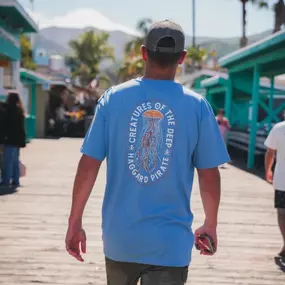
pixel 2 185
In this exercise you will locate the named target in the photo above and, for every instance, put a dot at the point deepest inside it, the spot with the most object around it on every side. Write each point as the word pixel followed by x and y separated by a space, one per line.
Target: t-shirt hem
pixel 95 156
pixel 212 165
pixel 146 261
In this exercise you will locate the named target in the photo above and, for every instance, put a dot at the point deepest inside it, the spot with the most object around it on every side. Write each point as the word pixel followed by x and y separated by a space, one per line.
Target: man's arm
pixel 269 160
pixel 210 190
pixel 271 144
pixel 94 152
pixel 85 178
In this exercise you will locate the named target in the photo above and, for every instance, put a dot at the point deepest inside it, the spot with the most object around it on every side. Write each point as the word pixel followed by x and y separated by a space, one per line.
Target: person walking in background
pixel 154 133
pixel 14 139
pixel 223 123
pixel 61 120
pixel 275 144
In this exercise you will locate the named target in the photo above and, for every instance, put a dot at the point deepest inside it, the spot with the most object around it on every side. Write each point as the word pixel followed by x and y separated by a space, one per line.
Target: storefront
pixel 14 21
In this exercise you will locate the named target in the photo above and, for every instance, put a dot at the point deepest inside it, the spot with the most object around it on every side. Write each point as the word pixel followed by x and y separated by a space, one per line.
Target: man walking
pixel 275 144
pixel 154 133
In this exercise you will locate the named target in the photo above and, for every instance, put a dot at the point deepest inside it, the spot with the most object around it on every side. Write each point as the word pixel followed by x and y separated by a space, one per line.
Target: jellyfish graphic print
pixel 150 141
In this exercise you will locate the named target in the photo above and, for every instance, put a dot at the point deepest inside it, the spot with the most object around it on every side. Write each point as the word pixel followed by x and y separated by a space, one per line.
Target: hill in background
pixel 55 41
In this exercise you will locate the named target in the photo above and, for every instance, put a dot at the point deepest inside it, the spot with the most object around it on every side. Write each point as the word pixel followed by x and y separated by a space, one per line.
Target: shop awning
pixel 17 17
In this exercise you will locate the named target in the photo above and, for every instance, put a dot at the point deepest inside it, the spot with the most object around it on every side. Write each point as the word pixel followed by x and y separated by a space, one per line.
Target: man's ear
pixel 182 57
pixel 144 53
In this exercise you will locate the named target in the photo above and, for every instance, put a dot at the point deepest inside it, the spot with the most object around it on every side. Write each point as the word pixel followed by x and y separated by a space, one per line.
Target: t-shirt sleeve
pixel 271 140
pixel 95 141
pixel 210 150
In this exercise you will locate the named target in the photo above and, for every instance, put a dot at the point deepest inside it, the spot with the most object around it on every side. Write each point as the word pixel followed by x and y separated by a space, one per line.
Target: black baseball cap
pixel 165 29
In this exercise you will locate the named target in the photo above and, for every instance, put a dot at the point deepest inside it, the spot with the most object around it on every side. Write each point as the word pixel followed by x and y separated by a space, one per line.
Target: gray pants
pixel 124 273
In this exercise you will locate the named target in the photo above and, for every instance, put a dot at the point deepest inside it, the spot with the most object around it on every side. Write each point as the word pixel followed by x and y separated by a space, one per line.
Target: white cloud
pixel 81 18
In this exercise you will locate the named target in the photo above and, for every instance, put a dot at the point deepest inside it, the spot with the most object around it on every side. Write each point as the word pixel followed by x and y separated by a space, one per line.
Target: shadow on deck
pixel 8 191
pixel 239 160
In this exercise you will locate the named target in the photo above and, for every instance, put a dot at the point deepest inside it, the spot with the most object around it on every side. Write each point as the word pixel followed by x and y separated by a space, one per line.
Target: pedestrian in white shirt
pixel 275 144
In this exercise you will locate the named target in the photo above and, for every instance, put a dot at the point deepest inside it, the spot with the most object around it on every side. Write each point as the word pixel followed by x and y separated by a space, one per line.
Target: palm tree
pixel 87 53
pixel 279 13
pixel 131 67
pixel 196 55
pixel 135 44
pixel 26 53
pixel 133 64
pixel 261 4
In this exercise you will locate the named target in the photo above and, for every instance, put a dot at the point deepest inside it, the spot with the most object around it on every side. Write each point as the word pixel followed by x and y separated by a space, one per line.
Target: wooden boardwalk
pixel 33 224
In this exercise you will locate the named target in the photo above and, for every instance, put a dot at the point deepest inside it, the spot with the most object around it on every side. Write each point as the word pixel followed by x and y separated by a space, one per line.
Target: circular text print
pixel 151 135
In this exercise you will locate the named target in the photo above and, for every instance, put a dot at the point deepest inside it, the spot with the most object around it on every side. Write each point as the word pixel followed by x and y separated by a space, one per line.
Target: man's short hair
pixel 164 59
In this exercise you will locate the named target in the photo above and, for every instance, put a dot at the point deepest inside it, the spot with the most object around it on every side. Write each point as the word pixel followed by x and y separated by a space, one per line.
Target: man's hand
pixel 75 242
pixel 269 176
pixel 209 230
pixel 84 181
pixel 210 189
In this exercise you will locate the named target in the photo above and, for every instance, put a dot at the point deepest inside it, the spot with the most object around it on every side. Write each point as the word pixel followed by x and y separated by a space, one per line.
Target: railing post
pixel 271 100
pixel 228 98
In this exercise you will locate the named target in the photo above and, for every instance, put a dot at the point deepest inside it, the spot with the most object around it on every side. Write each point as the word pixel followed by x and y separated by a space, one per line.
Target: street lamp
pixel 32 3
pixel 194 23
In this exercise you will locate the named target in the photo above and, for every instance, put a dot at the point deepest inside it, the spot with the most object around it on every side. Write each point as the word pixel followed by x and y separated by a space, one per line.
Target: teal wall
pixel 239 114
pixel 7 48
pixel 219 100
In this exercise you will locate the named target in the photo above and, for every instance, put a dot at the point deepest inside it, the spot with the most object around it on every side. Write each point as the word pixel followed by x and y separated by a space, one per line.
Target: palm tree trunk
pixel 244 40
pixel 279 11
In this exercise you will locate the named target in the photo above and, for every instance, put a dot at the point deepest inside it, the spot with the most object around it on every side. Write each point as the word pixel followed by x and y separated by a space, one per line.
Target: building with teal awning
pixel 251 93
pixel 36 89
pixel 14 21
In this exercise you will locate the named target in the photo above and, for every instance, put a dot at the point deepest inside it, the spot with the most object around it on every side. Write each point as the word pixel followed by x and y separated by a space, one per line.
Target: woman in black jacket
pixel 2 123
pixel 14 139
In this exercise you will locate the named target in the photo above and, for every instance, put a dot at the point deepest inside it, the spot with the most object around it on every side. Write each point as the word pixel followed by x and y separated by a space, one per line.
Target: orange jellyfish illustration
pixel 151 140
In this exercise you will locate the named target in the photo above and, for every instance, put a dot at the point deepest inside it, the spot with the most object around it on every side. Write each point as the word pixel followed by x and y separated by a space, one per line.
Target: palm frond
pixel 87 52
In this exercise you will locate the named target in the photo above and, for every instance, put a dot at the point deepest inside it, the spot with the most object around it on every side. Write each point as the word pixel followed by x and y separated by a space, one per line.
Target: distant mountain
pixel 228 45
pixel 55 41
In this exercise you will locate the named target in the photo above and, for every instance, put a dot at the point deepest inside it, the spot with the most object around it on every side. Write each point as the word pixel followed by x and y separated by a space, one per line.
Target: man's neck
pixel 159 74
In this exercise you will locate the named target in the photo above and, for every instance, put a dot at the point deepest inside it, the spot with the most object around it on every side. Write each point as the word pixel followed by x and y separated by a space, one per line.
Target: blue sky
pixel 216 18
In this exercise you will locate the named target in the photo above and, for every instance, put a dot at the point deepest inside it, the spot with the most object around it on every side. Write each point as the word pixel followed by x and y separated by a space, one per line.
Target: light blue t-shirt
pixel 153 133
